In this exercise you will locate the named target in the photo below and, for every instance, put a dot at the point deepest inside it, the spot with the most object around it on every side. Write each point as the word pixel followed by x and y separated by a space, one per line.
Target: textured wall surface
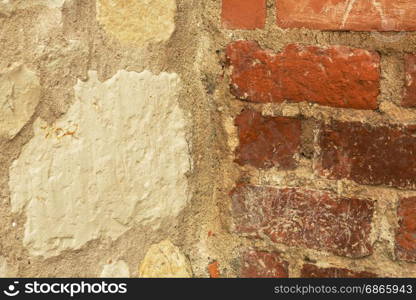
pixel 223 138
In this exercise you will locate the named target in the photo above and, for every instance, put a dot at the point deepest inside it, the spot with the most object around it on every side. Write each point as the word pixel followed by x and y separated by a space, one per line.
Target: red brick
pixel 409 99
pixel 267 141
pixel 312 271
pixel 213 270
pixel 246 14
pixel 406 233
pixel 262 264
pixel 356 15
pixel 383 155
pixel 337 76
pixel 304 218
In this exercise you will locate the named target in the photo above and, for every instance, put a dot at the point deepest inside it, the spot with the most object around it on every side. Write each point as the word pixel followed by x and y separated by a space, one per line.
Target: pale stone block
pixel 138 21
pixel 19 96
pixel 118 269
pixel 164 260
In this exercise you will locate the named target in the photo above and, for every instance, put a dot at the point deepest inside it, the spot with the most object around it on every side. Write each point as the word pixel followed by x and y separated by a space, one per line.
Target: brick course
pixel 360 15
pixel 247 14
pixel 374 155
pixel 312 271
pixel 262 264
pixel 267 141
pixel 304 218
pixel 406 232
pixel 337 76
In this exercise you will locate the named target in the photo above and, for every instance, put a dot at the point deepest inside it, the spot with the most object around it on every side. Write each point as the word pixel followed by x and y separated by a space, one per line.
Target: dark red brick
pixel 262 264
pixel 358 15
pixel 337 76
pixel 304 218
pixel 247 14
pixel 384 155
pixel 267 141
pixel 406 233
pixel 409 99
pixel 312 271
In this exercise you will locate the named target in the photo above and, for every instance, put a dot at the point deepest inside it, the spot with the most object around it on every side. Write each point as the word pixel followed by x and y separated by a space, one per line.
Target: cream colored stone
pixel 164 260
pixel 48 3
pixel 116 159
pixel 3 267
pixel 5 8
pixel 8 6
pixel 138 21
pixel 118 269
pixel 19 96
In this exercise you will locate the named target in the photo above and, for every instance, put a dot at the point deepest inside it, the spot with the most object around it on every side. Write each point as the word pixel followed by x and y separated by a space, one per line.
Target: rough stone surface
pixel 409 99
pixel 266 142
pixel 118 269
pixel 138 22
pixel 19 95
pixel 368 154
pixel 304 218
pixel 165 260
pixel 312 271
pixel 262 264
pixel 247 14
pixel 117 158
pixel 336 76
pixel 406 233
pixel 359 15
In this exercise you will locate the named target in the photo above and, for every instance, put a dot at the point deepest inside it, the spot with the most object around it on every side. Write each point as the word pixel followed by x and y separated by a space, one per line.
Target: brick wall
pixel 323 136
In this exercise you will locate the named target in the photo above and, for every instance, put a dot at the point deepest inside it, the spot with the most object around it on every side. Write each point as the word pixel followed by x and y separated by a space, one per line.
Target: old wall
pixel 207 138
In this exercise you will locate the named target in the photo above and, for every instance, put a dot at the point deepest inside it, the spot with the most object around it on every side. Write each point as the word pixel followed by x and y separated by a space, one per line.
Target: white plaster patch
pixel 138 21
pixel 118 269
pixel 19 96
pixel 116 159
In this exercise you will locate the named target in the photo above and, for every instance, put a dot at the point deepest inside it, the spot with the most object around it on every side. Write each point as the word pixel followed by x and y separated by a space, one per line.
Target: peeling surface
pixel 116 159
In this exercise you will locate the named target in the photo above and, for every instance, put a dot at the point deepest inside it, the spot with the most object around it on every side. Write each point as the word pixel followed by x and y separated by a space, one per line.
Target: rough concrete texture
pixel 131 141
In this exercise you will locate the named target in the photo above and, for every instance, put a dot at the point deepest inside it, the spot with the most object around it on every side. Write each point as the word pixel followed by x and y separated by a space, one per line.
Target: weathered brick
pixel 312 271
pixel 267 141
pixel 409 99
pixel 262 264
pixel 337 76
pixel 357 15
pixel 304 218
pixel 406 233
pixel 383 155
pixel 247 14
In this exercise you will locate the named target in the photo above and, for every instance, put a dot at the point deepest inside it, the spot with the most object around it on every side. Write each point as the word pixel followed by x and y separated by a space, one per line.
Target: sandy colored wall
pixel 122 142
